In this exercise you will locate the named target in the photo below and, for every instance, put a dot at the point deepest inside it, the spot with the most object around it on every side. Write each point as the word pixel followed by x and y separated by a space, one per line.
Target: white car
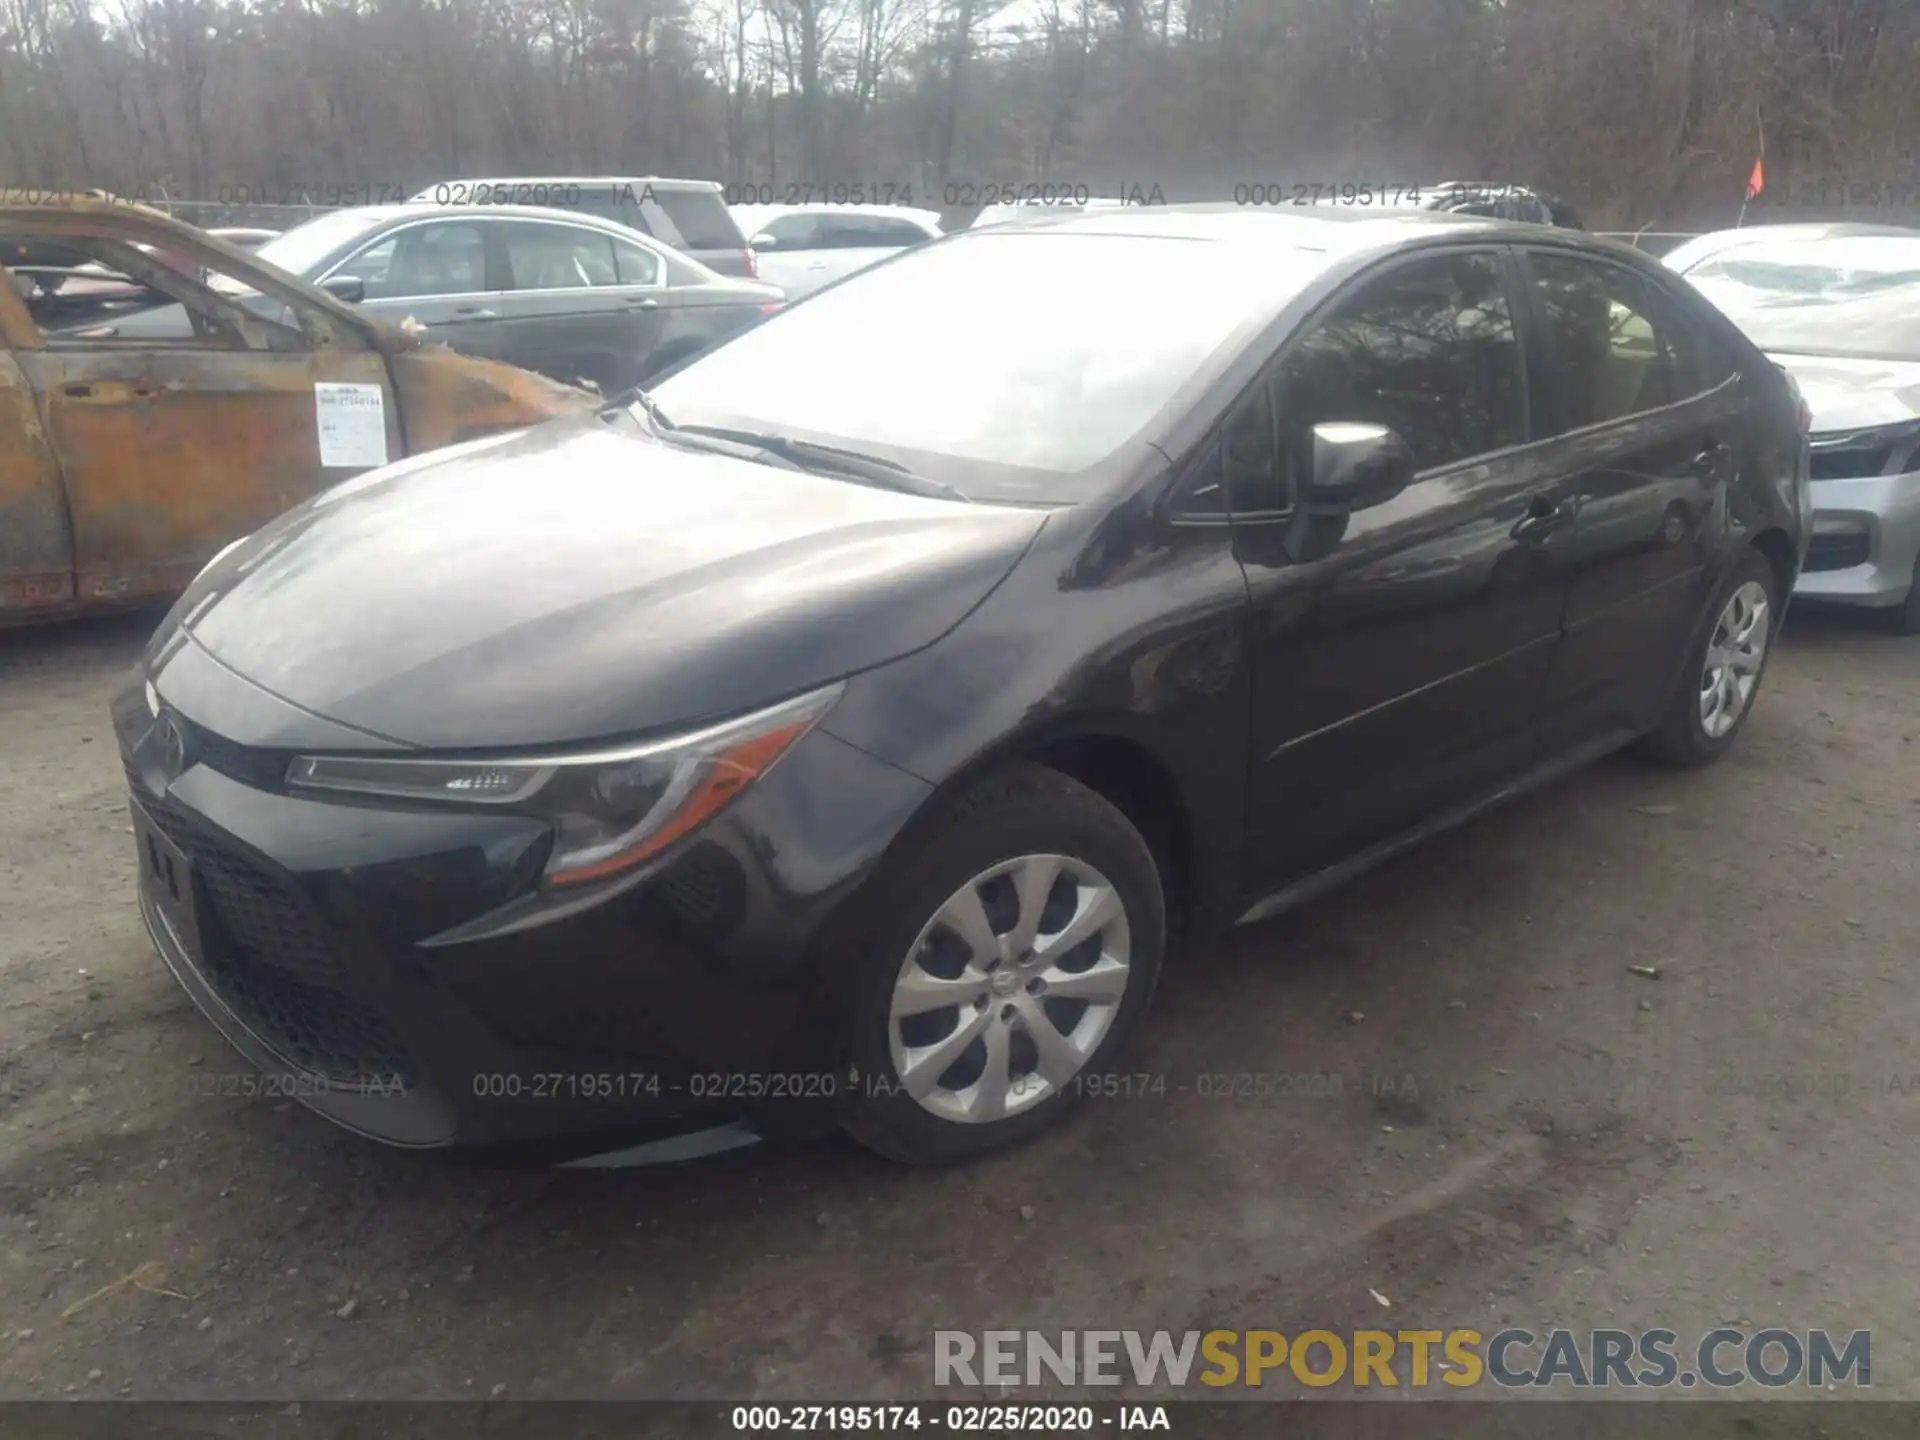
pixel 1032 209
pixel 802 247
pixel 1841 315
pixel 1689 254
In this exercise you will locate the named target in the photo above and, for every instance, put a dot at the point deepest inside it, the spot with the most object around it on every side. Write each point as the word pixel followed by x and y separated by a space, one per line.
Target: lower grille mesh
pixel 269 959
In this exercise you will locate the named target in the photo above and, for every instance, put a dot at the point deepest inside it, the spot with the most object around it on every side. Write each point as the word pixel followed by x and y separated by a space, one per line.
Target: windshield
pixel 302 248
pixel 1043 351
pixel 1857 296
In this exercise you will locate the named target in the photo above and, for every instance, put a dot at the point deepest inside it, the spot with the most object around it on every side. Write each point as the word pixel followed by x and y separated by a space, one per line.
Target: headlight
pixel 610 809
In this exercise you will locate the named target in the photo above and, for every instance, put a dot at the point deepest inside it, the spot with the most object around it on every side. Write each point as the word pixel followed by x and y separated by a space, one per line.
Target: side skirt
pixel 1298 892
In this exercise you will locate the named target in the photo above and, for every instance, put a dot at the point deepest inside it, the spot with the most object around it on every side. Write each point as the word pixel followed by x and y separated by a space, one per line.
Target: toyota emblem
pixel 173 746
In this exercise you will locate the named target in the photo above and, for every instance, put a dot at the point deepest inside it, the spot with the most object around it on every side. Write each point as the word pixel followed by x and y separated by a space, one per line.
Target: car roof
pixel 1488 187
pixel 664 182
pixel 383 214
pixel 769 212
pixel 1313 227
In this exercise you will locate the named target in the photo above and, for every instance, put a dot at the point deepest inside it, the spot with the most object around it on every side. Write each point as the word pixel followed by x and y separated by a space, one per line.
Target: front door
pixel 173 443
pixel 439 274
pixel 1400 671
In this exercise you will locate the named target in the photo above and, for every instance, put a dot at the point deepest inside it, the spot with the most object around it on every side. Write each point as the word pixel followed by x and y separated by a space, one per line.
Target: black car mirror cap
pixel 1357 465
pixel 350 288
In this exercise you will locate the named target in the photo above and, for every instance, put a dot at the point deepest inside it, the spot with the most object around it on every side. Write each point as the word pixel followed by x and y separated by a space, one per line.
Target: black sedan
pixel 572 296
pixel 846 731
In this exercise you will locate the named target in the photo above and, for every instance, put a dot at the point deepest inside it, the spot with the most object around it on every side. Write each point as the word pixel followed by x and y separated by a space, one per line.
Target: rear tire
pixel 1726 662
pixel 1008 957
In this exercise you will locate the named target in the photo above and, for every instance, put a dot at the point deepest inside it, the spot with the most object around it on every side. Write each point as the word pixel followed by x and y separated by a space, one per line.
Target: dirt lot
pixel 1525 1129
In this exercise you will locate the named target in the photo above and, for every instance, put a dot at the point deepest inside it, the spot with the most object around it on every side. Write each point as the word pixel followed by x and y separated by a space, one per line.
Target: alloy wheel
pixel 1734 657
pixel 1010 988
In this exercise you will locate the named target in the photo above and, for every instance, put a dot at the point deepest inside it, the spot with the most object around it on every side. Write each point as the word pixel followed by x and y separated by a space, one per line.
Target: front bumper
pixel 377 963
pixel 1865 542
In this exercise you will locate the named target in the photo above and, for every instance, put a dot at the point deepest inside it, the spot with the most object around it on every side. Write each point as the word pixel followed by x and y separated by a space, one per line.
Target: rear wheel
pixel 1724 668
pixel 1012 956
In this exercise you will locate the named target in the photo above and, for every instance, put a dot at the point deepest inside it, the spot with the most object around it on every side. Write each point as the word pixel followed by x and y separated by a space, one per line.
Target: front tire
pixel 1904 618
pixel 1010 955
pixel 1725 664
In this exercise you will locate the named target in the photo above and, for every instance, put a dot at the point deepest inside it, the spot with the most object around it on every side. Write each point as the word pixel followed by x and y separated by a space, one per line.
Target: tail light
pixel 769 309
pixel 753 265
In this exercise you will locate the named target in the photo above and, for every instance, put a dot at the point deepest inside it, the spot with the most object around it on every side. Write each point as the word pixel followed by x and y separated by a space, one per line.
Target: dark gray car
pixel 571 296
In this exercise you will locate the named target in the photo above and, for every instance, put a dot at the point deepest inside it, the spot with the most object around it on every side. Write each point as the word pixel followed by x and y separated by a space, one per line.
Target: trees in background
pixel 1645 112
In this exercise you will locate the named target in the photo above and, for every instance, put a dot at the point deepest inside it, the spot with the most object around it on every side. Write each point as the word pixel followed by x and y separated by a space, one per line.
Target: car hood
pixel 1846 394
pixel 578 582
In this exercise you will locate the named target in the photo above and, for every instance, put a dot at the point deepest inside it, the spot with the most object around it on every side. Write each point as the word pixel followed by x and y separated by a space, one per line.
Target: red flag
pixel 1757 181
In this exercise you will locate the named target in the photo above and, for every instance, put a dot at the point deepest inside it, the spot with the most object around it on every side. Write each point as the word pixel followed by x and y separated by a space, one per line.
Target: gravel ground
pixel 1525 1129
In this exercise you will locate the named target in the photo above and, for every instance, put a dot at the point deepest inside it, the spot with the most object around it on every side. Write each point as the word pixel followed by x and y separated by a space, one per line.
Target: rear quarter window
pixel 696 219
pixel 622 212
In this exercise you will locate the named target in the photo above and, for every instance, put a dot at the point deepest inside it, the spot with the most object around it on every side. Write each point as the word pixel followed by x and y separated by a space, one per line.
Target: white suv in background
pixel 802 247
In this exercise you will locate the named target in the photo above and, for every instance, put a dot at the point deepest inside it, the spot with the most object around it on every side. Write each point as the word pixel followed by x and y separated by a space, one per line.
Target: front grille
pixel 1865 454
pixel 262 769
pixel 1840 551
pixel 268 957
pixel 1850 463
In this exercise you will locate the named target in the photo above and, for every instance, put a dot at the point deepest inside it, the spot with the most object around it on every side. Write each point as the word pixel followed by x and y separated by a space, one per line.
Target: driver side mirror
pixel 350 288
pixel 1356 466
pixel 763 241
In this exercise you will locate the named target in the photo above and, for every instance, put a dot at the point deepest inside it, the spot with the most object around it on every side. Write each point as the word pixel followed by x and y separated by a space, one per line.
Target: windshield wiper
pixel 832 460
pixel 634 395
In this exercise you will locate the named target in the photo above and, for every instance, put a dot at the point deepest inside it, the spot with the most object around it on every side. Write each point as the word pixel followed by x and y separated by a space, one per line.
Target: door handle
pixel 1544 516
pixel 476 312
pixel 1712 462
pixel 647 303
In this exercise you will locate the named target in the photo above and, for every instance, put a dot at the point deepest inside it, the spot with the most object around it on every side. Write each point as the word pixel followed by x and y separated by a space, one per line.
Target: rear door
pixel 436 272
pixel 171 445
pixel 856 241
pixel 579 304
pixel 36 547
pixel 1648 409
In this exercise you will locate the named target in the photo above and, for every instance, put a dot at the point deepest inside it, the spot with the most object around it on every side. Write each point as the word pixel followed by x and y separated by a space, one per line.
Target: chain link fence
pixel 217 215
pixel 1654 242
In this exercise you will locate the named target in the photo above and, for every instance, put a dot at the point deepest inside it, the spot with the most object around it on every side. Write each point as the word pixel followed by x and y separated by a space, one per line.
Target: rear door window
pixel 559 257
pixel 1621 346
pixel 638 265
pixel 870 232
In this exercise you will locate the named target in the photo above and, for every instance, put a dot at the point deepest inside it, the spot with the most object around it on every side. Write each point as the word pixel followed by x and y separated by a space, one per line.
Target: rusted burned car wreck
pixel 127 463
